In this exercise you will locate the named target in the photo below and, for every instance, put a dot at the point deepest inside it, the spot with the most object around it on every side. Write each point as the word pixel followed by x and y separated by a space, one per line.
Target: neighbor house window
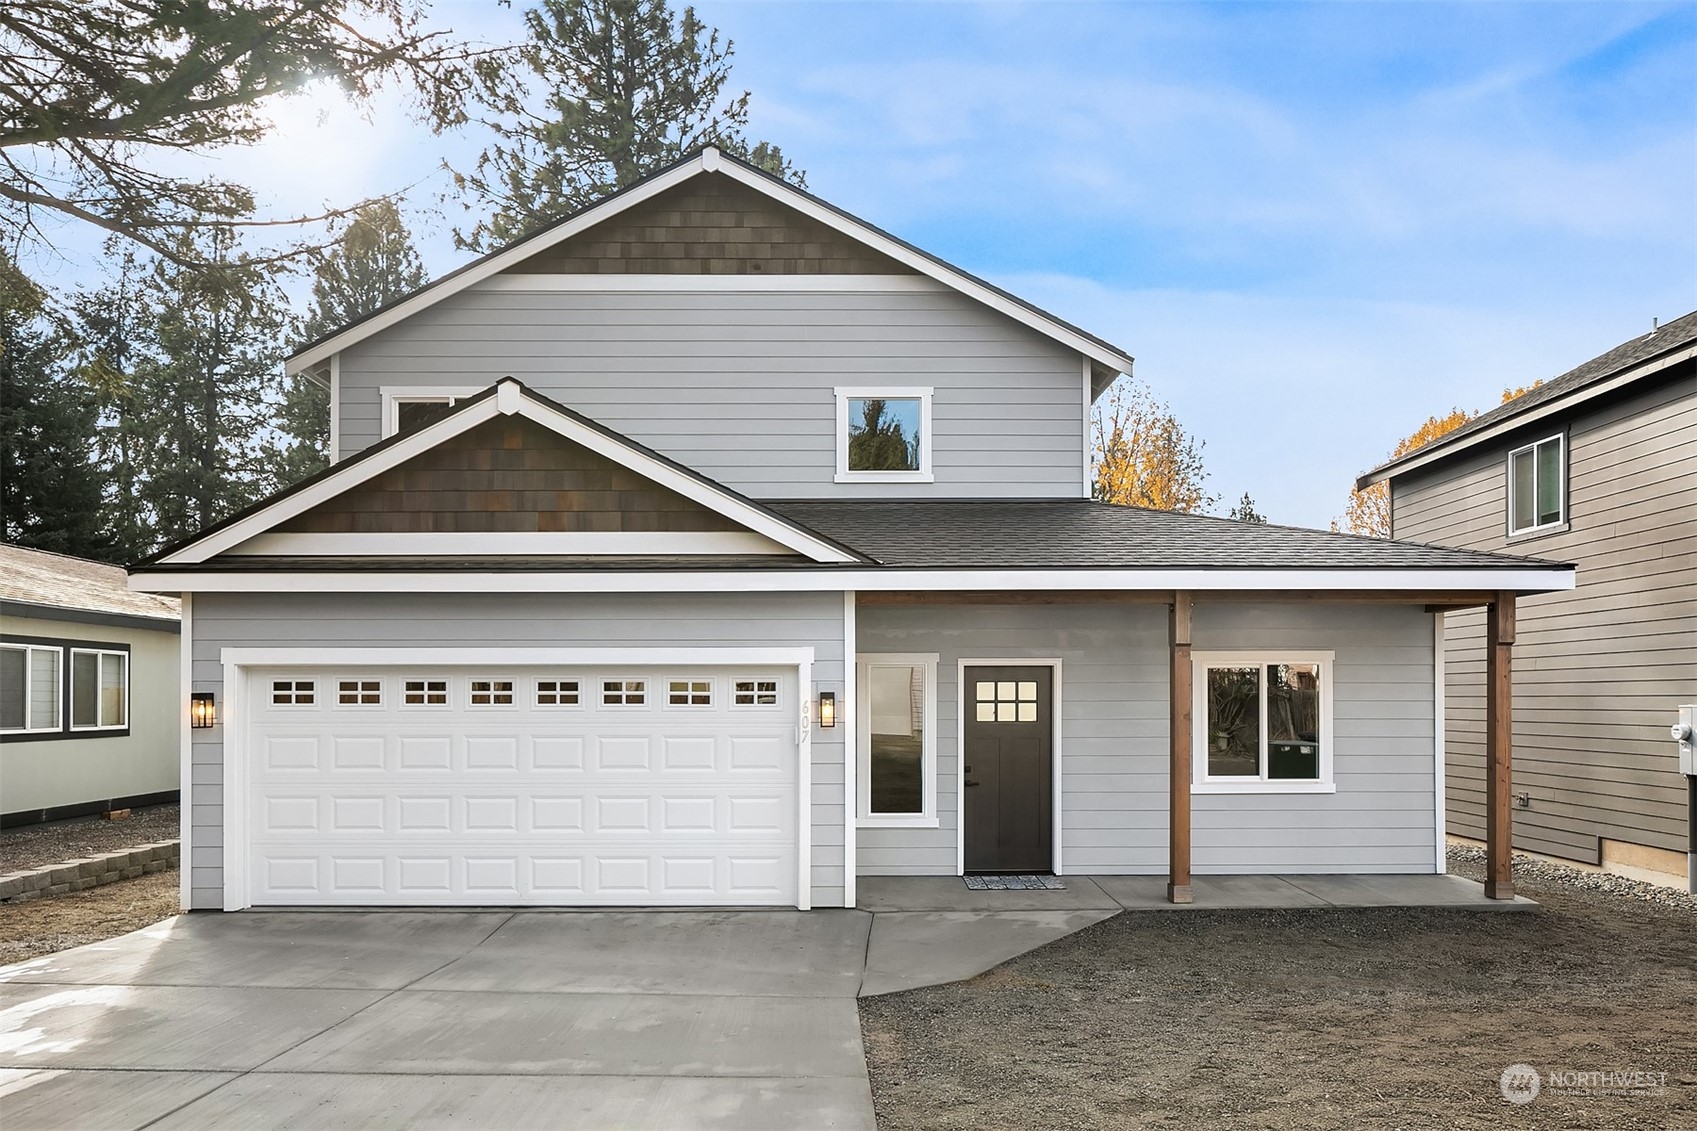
pixel 30 688
pixel 100 689
pixel 408 407
pixel 895 723
pixel 884 435
pixel 1537 486
pixel 1263 722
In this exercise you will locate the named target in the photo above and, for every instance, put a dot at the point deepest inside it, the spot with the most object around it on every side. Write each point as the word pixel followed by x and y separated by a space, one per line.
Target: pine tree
pixel 219 333
pixel 628 88
pixel 1245 511
pixel 372 265
pixel 49 487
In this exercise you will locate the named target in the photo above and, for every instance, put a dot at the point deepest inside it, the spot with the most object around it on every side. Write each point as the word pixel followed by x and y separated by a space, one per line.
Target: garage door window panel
pixel 294 693
pixel 558 693
pixel 624 692
pixel 493 692
pixel 689 693
pixel 359 693
pixel 424 693
pixel 755 693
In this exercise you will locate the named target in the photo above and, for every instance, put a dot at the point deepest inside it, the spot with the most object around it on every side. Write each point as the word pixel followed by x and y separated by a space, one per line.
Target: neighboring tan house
pixel 89 702
pixel 715 547
pixel 1596 467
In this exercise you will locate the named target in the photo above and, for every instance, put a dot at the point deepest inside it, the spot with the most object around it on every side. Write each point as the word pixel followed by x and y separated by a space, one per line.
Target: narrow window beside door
pixel 896 739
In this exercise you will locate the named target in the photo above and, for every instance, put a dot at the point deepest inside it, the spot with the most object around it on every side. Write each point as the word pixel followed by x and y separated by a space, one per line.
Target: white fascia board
pixel 1509 424
pixel 925 265
pixel 688 486
pixel 530 542
pixel 351 475
pixel 772 284
pixel 1528 580
pixel 494 265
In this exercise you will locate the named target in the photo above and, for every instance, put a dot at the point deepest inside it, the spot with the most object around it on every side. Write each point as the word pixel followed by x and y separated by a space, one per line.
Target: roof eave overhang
pixel 1416 582
pixel 711 161
pixel 1442 450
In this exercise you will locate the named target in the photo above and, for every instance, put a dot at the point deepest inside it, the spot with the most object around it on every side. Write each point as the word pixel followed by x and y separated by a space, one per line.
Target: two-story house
pixel 713 546
pixel 1596 467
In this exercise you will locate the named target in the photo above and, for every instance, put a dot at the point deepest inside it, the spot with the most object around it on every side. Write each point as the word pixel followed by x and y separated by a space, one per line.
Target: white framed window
pixel 1537 486
pixel 294 692
pixel 492 692
pixel 689 693
pixel 754 693
pixel 557 693
pixel 406 407
pixel 884 435
pixel 1263 722
pixel 359 693
pixel 896 739
pixel 100 689
pixel 424 693
pixel 31 688
pixel 624 692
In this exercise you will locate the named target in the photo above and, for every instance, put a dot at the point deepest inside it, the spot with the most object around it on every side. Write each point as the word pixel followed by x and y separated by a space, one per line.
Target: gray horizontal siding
pixel 738 385
pixel 1114 736
pixel 1599 670
pixel 533 621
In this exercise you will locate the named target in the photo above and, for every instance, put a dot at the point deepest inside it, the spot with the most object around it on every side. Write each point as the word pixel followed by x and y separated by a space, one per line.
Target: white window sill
pixel 885 477
pixel 897 823
pixel 98 730
pixel 1537 531
pixel 1205 787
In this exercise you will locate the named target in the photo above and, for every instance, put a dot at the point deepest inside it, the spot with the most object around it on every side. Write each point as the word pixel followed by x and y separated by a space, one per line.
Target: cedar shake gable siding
pixel 506 475
pixel 711 225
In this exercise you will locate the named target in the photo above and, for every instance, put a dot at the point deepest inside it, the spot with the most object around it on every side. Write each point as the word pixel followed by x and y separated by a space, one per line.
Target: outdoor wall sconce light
pixel 203 710
pixel 827 709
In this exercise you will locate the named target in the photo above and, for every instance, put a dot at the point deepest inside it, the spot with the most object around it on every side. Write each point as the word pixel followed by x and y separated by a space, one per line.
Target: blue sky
pixel 1312 225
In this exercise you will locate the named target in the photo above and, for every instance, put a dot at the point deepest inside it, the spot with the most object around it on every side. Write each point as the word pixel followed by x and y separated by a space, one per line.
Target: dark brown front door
pixel 1009 764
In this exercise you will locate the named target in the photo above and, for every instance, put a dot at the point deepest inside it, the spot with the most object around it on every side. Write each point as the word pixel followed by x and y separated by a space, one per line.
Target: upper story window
pixel 884 435
pixel 1263 722
pixel 1537 486
pixel 406 408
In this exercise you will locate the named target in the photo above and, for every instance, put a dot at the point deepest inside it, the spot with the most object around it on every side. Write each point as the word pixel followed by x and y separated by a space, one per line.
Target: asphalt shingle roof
pixel 41 578
pixel 1079 534
pixel 1680 332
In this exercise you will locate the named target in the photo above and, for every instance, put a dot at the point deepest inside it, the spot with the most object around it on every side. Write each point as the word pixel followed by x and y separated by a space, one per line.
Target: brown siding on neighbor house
pixel 508 474
pixel 710 225
pixel 1598 670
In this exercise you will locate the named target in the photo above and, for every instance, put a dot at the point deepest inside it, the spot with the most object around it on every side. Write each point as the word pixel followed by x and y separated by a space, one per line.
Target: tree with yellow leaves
pixel 1369 510
pixel 1141 456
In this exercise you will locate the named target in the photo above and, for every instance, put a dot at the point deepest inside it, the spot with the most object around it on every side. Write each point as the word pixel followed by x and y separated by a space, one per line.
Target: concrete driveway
pixel 476 1019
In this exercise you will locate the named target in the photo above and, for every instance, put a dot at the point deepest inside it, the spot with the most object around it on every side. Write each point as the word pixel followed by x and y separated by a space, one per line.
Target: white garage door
pixel 495 786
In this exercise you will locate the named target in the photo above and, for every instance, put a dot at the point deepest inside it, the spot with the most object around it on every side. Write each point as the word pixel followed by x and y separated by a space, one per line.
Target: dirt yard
pixel 1306 1019
pixel 59 922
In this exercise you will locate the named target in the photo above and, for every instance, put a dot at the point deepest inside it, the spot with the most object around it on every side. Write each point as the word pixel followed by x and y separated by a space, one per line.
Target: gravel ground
pixel 32 846
pixel 1382 1018
pixel 42 926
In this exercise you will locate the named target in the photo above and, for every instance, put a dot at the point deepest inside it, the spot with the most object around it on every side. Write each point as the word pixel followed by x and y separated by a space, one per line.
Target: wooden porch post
pixel 1178 815
pixel 1499 747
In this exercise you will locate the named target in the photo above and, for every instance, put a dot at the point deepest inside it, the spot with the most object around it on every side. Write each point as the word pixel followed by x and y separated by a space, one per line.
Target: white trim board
pixel 1055 743
pixel 1440 863
pixel 1271 582
pixel 510 399
pixel 845 712
pixel 631 543
pixel 709 161
pixel 185 753
pixel 683 284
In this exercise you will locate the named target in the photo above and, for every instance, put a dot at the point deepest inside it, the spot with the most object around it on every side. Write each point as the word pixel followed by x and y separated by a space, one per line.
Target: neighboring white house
pixel 90 710
pixel 714 547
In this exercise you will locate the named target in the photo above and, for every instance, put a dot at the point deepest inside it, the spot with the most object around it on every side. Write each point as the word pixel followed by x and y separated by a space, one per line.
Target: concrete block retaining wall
pixel 77 875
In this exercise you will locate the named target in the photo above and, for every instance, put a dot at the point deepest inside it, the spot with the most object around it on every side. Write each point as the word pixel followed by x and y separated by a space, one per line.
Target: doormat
pixel 1015 883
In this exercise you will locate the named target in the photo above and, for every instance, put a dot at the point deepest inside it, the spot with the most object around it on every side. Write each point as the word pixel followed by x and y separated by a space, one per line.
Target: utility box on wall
pixel 1685 733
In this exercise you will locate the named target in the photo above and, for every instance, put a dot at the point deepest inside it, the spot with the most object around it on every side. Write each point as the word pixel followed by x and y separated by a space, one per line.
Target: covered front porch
pixel 1147 798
